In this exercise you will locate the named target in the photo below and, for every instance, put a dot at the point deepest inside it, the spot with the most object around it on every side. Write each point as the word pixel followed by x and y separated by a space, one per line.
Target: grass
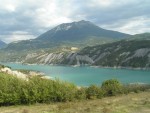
pixel 131 103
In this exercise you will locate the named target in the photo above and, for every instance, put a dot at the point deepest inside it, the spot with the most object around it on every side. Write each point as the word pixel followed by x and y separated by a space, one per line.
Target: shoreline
pixel 93 66
pixel 76 66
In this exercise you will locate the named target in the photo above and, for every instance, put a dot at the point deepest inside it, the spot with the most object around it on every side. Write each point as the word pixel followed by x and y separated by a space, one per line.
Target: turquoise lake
pixel 84 76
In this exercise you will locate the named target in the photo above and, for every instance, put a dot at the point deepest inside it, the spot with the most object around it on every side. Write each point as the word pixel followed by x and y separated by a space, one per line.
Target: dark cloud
pixel 114 13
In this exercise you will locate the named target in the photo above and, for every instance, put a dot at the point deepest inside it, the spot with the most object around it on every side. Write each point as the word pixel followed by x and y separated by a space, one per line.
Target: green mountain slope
pixel 125 53
pixel 78 31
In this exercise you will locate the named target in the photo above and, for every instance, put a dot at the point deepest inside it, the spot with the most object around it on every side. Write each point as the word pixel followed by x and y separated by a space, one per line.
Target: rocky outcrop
pixel 102 55
pixel 50 58
pixel 141 52
pixel 138 53
pixel 14 73
pixel 22 75
pixel 45 58
pixel 84 58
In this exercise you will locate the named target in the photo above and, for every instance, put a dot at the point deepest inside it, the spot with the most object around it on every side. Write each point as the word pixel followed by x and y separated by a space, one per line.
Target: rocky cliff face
pixel 119 54
pixel 45 58
pixel 22 74
pixel 123 53
pixel 77 59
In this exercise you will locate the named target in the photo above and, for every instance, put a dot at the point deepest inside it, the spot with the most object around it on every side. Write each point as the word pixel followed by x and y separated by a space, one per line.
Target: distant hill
pixel 134 52
pixel 143 36
pixel 78 34
pixel 2 44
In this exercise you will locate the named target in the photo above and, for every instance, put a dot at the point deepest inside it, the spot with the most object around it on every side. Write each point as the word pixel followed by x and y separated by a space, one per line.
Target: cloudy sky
pixel 27 19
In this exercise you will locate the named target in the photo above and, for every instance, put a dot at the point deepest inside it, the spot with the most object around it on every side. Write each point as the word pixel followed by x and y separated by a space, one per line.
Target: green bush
pixel 111 87
pixel 36 90
pixel 94 92
pixel 81 93
pixel 63 91
pixel 10 89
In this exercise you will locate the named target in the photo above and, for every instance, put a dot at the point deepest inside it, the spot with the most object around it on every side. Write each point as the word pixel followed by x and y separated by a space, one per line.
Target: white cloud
pixel 41 15
pixel 134 25
pixel 102 3
pixel 16 36
pixel 36 16
pixel 48 13
pixel 108 3
pixel 12 38
pixel 10 7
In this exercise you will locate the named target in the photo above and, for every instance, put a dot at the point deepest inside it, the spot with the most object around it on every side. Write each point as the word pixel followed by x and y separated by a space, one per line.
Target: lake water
pixel 84 76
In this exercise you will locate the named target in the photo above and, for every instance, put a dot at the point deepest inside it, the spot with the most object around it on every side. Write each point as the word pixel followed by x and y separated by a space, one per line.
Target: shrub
pixel 81 93
pixel 63 91
pixel 111 87
pixel 10 89
pixel 37 90
pixel 93 92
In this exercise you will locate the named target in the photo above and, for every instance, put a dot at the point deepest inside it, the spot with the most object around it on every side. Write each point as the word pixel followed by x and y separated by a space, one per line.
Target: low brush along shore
pixel 131 103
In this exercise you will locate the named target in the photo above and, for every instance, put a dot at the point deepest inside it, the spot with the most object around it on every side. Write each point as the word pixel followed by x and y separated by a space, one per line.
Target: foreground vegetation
pixel 131 103
pixel 15 91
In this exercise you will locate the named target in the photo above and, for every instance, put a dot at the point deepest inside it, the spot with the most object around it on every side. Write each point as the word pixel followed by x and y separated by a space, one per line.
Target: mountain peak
pixel 62 27
pixel 2 44
pixel 83 21
pixel 67 26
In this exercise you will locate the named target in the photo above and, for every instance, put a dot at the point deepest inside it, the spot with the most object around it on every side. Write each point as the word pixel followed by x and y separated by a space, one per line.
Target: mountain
pixel 2 44
pixel 78 31
pixel 78 34
pixel 143 36
pixel 133 52
pixel 124 53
